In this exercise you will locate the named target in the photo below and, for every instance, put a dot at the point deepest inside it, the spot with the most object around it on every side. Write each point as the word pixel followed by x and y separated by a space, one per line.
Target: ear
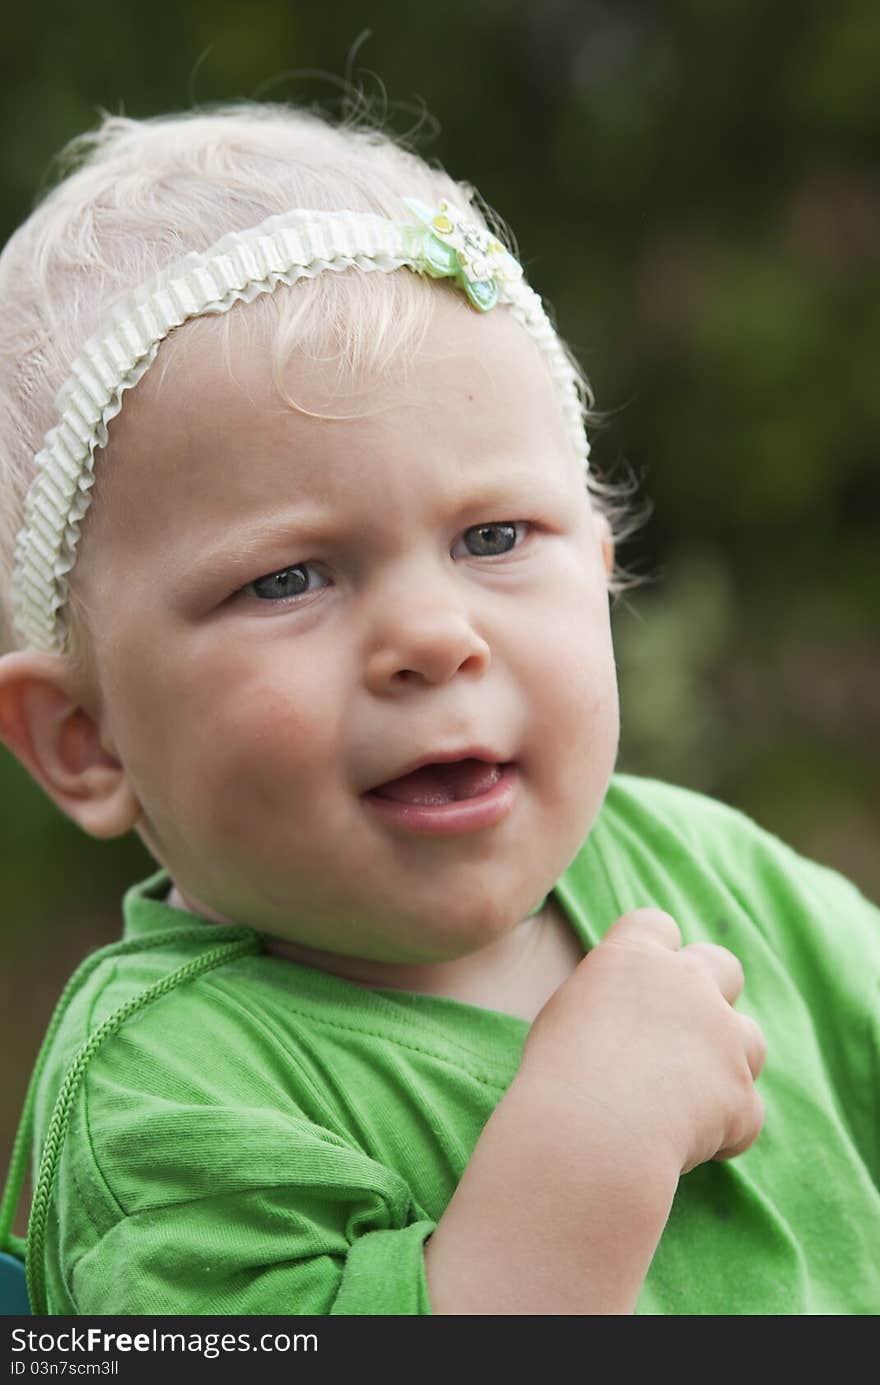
pixel 606 541
pixel 45 725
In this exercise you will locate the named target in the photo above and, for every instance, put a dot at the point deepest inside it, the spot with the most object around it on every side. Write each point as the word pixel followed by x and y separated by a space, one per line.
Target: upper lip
pixel 441 757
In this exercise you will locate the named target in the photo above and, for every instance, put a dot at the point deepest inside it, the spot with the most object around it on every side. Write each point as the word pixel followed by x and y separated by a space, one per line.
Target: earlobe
pixel 608 554
pixel 59 743
pixel 606 541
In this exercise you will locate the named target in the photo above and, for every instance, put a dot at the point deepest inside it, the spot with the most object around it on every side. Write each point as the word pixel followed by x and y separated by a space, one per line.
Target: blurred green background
pixel 695 189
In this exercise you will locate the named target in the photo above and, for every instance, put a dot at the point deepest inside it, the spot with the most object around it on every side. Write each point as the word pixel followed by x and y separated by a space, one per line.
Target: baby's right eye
pixel 284 585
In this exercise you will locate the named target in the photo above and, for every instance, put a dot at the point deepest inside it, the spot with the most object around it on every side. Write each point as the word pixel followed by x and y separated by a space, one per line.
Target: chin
pixel 472 933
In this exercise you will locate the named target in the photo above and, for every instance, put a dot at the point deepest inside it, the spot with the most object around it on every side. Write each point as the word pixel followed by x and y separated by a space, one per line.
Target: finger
pixel 642 926
pixel 754 1042
pixel 748 1132
pixel 722 964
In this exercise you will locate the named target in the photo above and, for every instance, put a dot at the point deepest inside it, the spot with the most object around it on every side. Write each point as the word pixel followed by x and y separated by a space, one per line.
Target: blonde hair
pixel 139 195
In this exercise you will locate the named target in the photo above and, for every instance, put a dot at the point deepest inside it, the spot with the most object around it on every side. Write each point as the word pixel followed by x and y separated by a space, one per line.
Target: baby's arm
pixel 637 1069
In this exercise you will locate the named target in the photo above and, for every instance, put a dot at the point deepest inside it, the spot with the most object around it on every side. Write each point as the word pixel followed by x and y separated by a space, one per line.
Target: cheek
pixel 265 721
pixel 223 744
pixel 575 695
pixel 568 647
pixel 269 730
pixel 574 713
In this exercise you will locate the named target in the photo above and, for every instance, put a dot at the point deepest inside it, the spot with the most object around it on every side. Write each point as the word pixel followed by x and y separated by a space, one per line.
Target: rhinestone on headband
pixel 441 244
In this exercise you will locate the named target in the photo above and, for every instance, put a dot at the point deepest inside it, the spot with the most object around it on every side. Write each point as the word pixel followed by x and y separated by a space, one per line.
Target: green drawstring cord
pixel 243 942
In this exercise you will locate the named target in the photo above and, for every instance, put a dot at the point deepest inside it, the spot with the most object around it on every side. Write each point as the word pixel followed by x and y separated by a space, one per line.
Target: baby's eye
pixel 491 540
pixel 284 584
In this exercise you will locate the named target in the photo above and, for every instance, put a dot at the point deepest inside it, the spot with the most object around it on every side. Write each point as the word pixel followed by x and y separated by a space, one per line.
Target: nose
pixel 421 642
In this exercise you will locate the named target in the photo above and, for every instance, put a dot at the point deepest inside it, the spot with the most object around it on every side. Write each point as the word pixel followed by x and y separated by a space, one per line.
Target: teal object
pixel 14 1300
pixel 483 293
pixel 440 258
pixel 455 248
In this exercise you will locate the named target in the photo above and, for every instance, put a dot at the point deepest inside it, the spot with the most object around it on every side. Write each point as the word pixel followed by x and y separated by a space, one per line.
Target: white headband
pixel 295 245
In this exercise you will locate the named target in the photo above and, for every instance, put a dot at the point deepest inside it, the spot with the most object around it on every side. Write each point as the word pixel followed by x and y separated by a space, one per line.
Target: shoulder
pixel 715 833
pixel 122 1006
pixel 807 938
pixel 701 848
pixel 675 809
pixel 651 835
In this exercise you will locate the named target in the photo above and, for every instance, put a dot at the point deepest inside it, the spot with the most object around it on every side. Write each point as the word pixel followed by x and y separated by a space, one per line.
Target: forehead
pixel 207 435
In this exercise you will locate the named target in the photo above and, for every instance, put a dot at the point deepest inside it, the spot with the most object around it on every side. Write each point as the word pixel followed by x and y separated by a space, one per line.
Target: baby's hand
pixel 643 1037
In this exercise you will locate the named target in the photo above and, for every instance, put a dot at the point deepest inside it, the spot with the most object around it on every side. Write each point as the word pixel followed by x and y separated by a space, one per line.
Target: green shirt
pixel 267 1138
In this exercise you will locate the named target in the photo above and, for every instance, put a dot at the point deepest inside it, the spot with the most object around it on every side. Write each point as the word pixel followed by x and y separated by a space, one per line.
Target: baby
pixel 427 1010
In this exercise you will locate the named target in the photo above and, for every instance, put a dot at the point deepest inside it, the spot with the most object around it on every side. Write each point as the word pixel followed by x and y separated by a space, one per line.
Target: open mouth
pixel 445 797
pixel 437 784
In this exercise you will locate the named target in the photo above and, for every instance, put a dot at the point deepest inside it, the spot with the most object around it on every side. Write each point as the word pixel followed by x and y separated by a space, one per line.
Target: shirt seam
pixel 494 1084
pixel 256 1188
pixel 260 1188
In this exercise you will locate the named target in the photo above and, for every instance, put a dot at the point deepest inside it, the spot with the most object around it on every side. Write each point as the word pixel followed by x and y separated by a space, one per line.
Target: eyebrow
pixel 246 541
pixel 302 527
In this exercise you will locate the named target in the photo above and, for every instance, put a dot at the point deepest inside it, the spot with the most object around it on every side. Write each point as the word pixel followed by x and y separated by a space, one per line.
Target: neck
pixel 516 973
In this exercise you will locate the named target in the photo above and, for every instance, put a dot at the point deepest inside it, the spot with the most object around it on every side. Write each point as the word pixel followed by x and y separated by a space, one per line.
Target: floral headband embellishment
pixel 455 248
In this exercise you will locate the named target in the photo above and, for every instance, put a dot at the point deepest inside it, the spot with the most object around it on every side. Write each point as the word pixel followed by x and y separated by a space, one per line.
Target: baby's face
pixel 293 612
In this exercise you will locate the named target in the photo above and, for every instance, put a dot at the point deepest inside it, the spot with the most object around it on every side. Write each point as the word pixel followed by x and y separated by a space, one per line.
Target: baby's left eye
pixel 491 540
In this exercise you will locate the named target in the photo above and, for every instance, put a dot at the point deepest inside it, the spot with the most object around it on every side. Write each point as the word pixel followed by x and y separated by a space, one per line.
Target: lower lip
pixel 464 815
